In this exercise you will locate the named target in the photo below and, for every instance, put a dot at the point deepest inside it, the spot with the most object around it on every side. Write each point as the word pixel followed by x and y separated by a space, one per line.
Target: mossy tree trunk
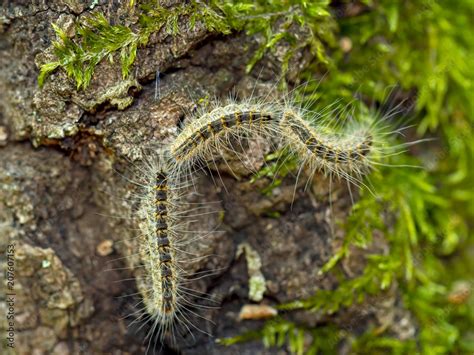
pixel 63 152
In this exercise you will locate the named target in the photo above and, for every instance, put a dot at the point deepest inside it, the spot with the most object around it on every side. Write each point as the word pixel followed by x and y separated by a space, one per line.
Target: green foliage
pixel 377 276
pixel 272 19
pixel 426 52
pixel 279 332
pixel 96 39
pixel 363 220
pixel 371 343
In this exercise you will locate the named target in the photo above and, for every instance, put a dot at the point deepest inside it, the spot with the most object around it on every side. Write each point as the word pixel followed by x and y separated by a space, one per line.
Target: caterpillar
pixel 346 154
pixel 365 141
pixel 208 133
pixel 161 245
pixel 159 280
pixel 340 154
pixel 158 253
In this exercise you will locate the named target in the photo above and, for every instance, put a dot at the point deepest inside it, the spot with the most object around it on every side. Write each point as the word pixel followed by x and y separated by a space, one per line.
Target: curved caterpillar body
pixel 339 154
pixel 345 154
pixel 211 132
pixel 214 127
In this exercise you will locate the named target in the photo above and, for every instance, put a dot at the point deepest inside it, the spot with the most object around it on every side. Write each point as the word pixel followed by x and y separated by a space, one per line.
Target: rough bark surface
pixel 63 157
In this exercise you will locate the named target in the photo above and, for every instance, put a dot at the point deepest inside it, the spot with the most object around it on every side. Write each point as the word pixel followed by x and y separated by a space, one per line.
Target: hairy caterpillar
pixel 340 154
pixel 161 279
pixel 347 154
pixel 342 141
pixel 157 250
pixel 214 130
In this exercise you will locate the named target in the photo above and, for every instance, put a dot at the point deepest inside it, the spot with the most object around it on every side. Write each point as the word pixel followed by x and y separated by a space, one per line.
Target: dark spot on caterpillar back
pixel 163 242
pixel 161 224
pixel 161 195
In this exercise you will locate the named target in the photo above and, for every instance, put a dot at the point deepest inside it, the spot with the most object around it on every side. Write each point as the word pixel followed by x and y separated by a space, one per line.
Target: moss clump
pixel 279 332
pixel 97 39
pixel 273 19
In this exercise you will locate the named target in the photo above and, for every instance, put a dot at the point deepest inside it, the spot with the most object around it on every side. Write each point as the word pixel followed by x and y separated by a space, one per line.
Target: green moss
pixel 273 19
pixel 279 332
pixel 371 343
pixel 96 39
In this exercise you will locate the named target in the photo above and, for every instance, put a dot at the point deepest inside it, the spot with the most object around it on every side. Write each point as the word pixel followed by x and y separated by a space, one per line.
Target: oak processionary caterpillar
pixel 341 154
pixel 159 287
pixel 348 154
pixel 158 281
pixel 212 131
pixel 160 278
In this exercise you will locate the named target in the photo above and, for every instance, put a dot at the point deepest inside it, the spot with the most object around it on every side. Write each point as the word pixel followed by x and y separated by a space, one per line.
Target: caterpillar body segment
pixel 332 152
pixel 208 134
pixel 340 154
pixel 165 249
pixel 161 277
pixel 185 150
